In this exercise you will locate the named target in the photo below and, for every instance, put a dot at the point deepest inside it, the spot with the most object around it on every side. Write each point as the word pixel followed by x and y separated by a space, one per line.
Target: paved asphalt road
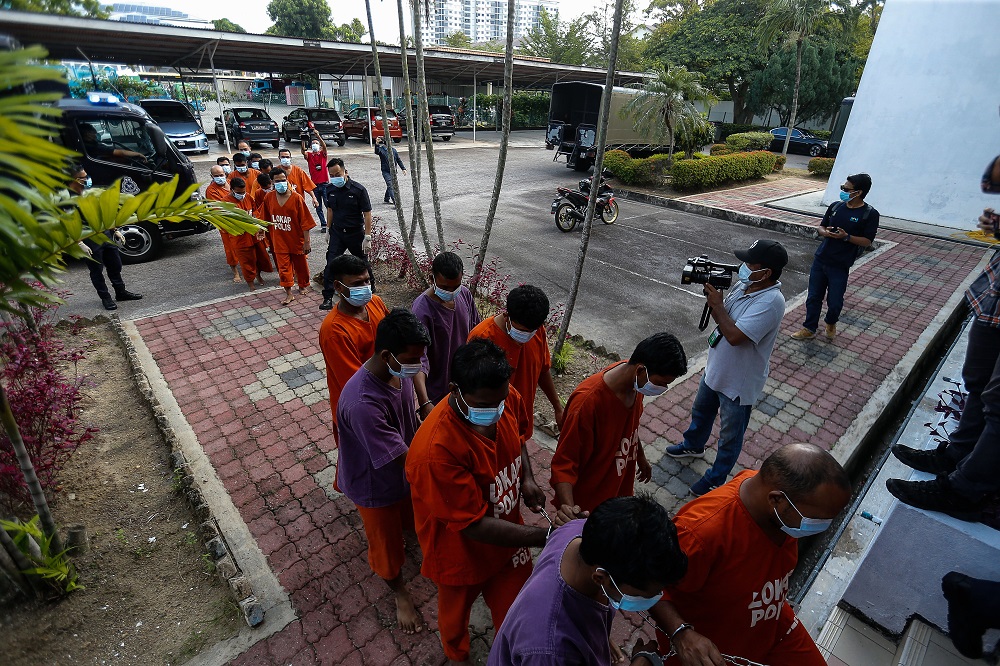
pixel 630 289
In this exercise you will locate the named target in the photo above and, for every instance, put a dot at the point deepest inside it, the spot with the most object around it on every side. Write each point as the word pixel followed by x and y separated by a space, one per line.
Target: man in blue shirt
pixel 387 155
pixel 848 226
pixel 968 466
pixel 739 357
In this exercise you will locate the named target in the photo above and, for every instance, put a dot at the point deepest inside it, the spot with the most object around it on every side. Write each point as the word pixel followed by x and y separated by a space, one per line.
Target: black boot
pixel 973 607
pixel 124 294
pixel 109 303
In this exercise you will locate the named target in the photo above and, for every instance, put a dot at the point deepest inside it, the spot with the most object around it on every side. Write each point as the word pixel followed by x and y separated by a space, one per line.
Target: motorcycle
pixel 570 206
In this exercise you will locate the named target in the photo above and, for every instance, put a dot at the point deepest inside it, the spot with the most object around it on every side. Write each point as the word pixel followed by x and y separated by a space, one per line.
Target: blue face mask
pixel 745 274
pixel 338 181
pixel 358 295
pixel 246 152
pixel 238 196
pixel 443 294
pixel 808 526
pixel 90 183
pixel 517 335
pixel 481 416
pixel 219 180
pixel 281 187
pixel 241 169
pixel 406 370
pixel 255 165
pixel 629 602
pixel 226 169
pixel 285 161
pixel 845 196
pixel 649 388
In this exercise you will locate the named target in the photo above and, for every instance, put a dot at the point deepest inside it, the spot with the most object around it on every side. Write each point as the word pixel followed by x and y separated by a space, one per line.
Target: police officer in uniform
pixel 349 219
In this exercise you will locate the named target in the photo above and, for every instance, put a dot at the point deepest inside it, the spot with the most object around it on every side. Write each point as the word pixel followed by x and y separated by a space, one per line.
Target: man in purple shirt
pixel 449 312
pixel 621 557
pixel 376 419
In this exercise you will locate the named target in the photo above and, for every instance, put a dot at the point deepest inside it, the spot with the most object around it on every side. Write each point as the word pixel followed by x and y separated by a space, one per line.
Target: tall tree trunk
pixel 795 95
pixel 425 126
pixel 595 187
pixel 28 469
pixel 388 146
pixel 414 146
pixel 14 562
pixel 508 93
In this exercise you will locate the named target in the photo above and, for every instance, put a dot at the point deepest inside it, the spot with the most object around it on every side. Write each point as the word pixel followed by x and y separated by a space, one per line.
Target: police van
pixel 120 140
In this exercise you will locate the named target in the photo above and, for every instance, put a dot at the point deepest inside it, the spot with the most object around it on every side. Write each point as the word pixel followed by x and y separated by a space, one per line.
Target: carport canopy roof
pixel 189 48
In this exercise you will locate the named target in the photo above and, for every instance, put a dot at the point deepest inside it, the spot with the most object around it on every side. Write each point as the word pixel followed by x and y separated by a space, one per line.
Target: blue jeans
pixel 387 177
pixel 735 418
pixel 320 194
pixel 830 281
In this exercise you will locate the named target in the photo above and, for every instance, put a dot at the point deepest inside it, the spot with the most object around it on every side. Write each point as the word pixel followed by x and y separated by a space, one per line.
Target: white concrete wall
pixel 925 122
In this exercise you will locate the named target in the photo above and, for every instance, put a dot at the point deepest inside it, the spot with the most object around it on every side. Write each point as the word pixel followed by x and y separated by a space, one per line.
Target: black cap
pixel 767 253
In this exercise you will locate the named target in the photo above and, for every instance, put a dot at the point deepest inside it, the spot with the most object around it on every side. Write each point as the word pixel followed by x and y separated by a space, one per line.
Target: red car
pixel 364 120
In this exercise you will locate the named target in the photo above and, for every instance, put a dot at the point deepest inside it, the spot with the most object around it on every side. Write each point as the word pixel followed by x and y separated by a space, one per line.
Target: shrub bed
pixel 820 166
pixel 719 149
pixel 630 171
pixel 748 141
pixel 779 163
pixel 727 129
pixel 721 169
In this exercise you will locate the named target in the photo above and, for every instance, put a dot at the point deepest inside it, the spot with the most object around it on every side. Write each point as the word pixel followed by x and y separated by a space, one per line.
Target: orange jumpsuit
pixel 289 225
pixel 220 193
pixel 457 477
pixel 249 248
pixel 299 180
pixel 250 177
pixel 529 361
pixel 347 343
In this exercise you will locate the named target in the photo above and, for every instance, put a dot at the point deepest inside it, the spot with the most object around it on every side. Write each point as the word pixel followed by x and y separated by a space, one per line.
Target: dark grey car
pixel 441 117
pixel 325 121
pixel 250 124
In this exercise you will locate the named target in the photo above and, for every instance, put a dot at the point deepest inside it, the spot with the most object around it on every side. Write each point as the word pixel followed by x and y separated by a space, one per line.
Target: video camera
pixel 702 270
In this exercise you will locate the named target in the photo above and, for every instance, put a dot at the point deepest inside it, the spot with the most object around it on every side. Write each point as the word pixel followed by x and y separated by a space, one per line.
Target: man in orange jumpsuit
pixel 299 179
pixel 468 468
pixel 249 248
pixel 290 222
pixel 242 169
pixel 599 454
pixel 741 540
pixel 218 190
pixel 347 334
pixel 521 334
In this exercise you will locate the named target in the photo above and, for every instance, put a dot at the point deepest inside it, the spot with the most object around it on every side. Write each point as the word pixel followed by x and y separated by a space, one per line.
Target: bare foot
pixel 288 300
pixel 252 287
pixel 237 278
pixel 305 290
pixel 260 280
pixel 617 657
pixel 407 615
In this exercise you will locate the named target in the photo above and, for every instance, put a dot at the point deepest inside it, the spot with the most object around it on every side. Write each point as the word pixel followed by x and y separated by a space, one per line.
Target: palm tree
pixel 42 224
pixel 588 219
pixel 795 21
pixel 508 94
pixel 425 126
pixel 388 146
pixel 665 105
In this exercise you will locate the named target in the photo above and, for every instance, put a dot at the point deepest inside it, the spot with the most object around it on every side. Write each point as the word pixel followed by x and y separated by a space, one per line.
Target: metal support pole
pixel 475 91
pixel 218 98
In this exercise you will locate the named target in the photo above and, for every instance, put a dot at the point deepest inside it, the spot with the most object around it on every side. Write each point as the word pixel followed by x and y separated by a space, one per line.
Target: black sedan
pixel 803 142
pixel 325 121
pixel 248 124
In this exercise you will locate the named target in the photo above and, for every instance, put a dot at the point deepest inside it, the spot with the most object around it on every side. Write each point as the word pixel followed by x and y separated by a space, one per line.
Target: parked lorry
pixel 573 114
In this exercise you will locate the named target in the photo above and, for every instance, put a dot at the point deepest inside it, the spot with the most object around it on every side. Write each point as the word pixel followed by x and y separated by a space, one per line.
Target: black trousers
pixel 342 240
pixel 106 258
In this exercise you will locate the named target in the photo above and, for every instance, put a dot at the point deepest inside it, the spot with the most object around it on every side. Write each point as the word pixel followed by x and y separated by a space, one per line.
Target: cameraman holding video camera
pixel 738 357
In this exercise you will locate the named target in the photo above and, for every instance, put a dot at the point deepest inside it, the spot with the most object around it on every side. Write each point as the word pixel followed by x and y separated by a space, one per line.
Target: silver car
pixel 179 124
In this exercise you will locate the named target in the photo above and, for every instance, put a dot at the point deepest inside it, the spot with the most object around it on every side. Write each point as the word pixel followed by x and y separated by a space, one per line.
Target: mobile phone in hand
pixel 995 219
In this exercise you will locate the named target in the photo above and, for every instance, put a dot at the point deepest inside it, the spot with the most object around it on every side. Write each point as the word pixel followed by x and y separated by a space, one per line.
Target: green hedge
pixel 631 171
pixel 727 129
pixel 718 170
pixel 820 166
pixel 822 134
pixel 719 149
pixel 748 141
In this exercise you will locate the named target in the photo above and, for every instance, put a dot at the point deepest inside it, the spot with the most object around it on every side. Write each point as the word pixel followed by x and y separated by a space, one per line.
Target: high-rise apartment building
pixel 483 20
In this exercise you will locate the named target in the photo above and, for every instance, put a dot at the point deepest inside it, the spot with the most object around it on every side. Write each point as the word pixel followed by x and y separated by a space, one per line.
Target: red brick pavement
pixel 248 377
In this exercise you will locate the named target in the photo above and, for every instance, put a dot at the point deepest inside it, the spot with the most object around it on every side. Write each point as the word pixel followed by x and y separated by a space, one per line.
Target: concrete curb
pixel 239 562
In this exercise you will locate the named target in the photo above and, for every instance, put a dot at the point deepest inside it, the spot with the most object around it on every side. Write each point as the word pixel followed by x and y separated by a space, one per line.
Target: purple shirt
pixel 449 330
pixel 550 623
pixel 376 423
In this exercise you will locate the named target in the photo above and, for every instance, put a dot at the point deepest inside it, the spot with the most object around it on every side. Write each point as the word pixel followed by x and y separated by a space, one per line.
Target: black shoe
pixel 932 461
pixel 126 295
pixel 327 304
pixel 935 495
pixel 965 626
pixel 109 303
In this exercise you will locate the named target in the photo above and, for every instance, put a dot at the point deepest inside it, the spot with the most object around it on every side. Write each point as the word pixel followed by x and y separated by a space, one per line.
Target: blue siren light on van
pixel 102 99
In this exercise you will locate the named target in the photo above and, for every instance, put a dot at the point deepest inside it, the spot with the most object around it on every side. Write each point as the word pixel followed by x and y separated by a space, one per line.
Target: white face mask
pixel 285 161
pixel 315 147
